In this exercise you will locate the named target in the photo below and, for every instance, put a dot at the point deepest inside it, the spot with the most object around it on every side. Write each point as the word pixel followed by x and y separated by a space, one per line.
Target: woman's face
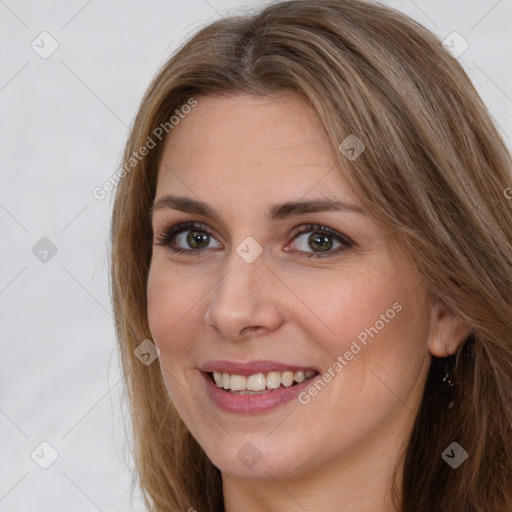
pixel 274 274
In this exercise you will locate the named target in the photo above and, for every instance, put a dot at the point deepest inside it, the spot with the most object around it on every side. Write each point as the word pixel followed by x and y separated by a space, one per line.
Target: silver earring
pixel 447 379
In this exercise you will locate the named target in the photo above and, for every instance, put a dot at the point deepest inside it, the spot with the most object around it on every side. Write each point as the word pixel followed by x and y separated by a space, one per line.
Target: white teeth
pixel 287 379
pixel 256 382
pixel 259 382
pixel 218 379
pixel 273 380
pixel 238 382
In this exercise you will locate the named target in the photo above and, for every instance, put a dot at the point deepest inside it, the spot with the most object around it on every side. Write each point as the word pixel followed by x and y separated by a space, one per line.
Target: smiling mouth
pixel 260 383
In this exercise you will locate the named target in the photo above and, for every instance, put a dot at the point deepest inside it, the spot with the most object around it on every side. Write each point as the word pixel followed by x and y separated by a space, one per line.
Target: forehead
pixel 250 147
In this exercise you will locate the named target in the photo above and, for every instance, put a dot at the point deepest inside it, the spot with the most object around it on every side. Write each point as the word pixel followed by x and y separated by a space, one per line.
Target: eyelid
pixel 165 236
pixel 311 228
pixel 344 241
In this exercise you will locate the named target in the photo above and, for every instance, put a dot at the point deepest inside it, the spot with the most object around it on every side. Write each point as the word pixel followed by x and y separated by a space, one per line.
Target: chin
pixel 252 463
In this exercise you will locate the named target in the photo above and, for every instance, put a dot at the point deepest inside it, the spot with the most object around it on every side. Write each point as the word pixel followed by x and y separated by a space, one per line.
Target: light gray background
pixel 63 123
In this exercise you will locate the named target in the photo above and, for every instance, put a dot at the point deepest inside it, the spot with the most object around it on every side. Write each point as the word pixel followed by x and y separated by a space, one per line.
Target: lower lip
pixel 250 404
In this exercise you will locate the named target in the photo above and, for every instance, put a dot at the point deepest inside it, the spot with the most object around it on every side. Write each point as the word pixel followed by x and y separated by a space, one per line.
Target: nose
pixel 245 301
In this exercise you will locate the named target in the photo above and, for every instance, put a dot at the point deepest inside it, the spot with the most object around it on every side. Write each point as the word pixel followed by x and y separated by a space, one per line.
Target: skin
pixel 241 154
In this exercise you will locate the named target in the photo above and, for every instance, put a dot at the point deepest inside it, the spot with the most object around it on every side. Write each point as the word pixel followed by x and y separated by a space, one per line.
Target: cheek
pixel 172 310
pixel 344 305
pixel 368 317
pixel 374 325
pixel 173 319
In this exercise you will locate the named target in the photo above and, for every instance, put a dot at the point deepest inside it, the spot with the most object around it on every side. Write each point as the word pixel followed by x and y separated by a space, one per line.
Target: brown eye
pixel 197 239
pixel 318 241
pixel 193 240
pixel 187 238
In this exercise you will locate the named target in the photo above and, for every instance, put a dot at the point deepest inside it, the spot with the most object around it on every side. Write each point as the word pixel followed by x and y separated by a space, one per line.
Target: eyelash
pixel 167 236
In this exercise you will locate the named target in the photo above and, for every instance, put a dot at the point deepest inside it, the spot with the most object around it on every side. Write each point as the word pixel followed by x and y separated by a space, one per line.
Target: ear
pixel 447 332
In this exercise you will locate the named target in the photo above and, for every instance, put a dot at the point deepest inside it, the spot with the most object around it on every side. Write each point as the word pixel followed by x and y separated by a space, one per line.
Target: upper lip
pixel 250 367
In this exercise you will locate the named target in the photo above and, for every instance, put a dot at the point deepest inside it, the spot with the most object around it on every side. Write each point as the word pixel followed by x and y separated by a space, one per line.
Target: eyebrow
pixel 277 211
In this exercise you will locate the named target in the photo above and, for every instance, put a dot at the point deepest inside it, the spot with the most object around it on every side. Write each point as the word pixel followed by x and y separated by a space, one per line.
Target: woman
pixel 312 233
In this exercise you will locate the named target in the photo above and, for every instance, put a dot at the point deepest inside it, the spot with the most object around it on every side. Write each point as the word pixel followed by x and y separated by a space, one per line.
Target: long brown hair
pixel 435 170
